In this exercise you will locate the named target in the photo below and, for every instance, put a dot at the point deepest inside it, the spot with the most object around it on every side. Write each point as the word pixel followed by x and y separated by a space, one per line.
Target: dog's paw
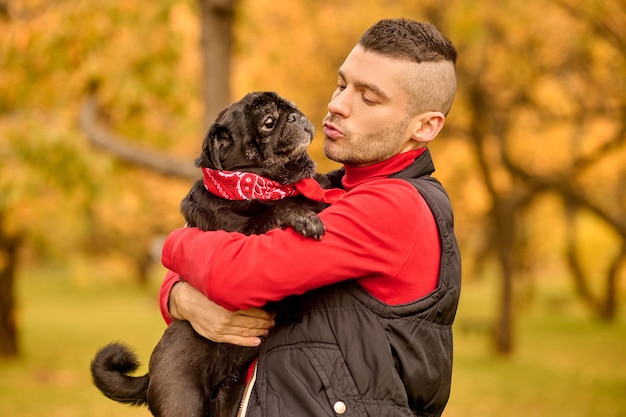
pixel 309 226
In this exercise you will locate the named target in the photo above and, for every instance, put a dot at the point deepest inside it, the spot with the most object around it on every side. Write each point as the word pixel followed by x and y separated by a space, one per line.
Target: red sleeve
pixel 374 234
pixel 170 279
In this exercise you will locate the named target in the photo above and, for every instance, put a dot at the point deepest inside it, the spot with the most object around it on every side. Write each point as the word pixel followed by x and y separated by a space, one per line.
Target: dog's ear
pixel 217 144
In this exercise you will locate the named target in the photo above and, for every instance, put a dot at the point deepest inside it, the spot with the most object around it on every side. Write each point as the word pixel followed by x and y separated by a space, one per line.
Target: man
pixel 380 290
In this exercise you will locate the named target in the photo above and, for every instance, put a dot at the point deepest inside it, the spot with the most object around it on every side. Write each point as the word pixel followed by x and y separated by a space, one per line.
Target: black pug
pixel 189 375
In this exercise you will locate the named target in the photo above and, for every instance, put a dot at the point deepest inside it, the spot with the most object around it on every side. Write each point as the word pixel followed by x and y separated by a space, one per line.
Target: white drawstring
pixel 243 406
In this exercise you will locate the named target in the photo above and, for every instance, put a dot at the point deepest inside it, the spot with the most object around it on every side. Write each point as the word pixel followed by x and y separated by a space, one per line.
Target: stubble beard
pixel 367 149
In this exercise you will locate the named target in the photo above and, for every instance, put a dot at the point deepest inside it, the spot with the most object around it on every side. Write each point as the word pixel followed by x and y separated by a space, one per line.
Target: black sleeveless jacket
pixel 352 355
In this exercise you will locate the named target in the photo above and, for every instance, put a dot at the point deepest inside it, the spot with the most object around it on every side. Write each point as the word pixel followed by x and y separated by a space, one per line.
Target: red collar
pixel 238 185
pixel 358 175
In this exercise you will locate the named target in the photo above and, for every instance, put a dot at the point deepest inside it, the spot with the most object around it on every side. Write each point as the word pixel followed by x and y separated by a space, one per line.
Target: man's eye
pixel 368 101
pixel 269 123
pixel 338 89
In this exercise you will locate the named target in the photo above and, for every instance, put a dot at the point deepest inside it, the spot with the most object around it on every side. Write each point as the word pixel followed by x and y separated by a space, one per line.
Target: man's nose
pixel 339 104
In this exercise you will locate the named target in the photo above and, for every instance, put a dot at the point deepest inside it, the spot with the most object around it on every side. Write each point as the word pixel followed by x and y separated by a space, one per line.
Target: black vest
pixel 352 355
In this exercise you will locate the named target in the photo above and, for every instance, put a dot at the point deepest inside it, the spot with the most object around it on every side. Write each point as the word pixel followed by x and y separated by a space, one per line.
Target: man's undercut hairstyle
pixel 408 39
pixel 423 44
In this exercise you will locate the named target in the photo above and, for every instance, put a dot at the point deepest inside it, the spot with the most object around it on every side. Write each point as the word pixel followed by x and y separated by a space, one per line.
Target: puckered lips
pixel 332 131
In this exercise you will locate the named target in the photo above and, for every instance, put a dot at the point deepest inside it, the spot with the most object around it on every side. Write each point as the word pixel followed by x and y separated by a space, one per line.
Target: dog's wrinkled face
pixel 260 133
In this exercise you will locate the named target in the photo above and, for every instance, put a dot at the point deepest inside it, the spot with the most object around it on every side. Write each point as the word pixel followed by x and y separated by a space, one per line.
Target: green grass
pixel 565 364
pixel 64 319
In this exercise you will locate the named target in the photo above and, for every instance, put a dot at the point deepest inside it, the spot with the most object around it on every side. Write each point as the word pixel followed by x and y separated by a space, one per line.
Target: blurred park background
pixel 103 106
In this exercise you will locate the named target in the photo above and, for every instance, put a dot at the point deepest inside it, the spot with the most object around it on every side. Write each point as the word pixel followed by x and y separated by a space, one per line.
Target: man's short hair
pixel 433 86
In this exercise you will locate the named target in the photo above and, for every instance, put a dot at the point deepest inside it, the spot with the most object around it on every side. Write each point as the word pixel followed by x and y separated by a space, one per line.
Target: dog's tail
pixel 109 370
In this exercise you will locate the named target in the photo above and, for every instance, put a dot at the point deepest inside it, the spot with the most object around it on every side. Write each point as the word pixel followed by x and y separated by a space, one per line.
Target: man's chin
pixel 331 150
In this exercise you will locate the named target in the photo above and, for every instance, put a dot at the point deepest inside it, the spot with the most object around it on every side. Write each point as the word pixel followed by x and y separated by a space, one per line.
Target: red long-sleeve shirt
pixel 381 233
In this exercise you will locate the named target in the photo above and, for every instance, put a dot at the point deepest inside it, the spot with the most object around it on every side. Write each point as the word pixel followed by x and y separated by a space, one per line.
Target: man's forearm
pixel 170 280
pixel 186 303
pixel 244 328
pixel 173 301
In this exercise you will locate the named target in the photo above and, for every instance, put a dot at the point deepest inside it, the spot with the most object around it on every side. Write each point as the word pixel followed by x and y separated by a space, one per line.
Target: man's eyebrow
pixel 366 86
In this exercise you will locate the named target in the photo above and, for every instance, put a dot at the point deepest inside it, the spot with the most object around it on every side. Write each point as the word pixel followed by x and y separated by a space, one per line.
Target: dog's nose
pixel 292 117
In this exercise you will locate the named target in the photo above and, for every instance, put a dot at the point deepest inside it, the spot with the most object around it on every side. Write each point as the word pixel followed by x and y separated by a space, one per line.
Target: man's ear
pixel 427 126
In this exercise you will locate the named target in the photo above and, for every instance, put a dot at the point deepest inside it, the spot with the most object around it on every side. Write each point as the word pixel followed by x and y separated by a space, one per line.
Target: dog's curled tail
pixel 110 370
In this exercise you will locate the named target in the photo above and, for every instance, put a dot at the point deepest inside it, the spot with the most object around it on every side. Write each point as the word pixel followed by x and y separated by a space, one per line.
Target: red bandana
pixel 237 185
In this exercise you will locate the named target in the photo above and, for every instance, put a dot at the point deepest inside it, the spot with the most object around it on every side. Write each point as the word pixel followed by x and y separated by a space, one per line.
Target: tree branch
pixel 613 35
pixel 562 186
pixel 101 138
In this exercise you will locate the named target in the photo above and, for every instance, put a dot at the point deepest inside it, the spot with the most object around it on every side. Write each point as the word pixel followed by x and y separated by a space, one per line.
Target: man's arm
pixel 370 234
pixel 242 327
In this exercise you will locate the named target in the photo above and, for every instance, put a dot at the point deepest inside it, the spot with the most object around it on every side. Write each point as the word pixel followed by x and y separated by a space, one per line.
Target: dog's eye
pixel 269 123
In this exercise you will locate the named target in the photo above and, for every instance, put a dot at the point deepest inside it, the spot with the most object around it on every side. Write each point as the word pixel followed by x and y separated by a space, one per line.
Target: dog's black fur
pixel 188 374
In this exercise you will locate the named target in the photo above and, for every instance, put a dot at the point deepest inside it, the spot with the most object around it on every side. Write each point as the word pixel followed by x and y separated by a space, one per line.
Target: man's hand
pixel 242 327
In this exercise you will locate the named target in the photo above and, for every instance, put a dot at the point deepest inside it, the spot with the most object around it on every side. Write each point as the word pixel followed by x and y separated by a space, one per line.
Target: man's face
pixel 367 119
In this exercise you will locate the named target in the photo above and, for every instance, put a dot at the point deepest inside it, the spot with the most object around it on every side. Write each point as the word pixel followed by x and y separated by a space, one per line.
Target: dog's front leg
pixel 290 213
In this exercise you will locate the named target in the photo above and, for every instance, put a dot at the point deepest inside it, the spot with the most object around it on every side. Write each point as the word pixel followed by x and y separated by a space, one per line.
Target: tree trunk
pixel 609 307
pixel 8 260
pixel 217 20
pixel 504 239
